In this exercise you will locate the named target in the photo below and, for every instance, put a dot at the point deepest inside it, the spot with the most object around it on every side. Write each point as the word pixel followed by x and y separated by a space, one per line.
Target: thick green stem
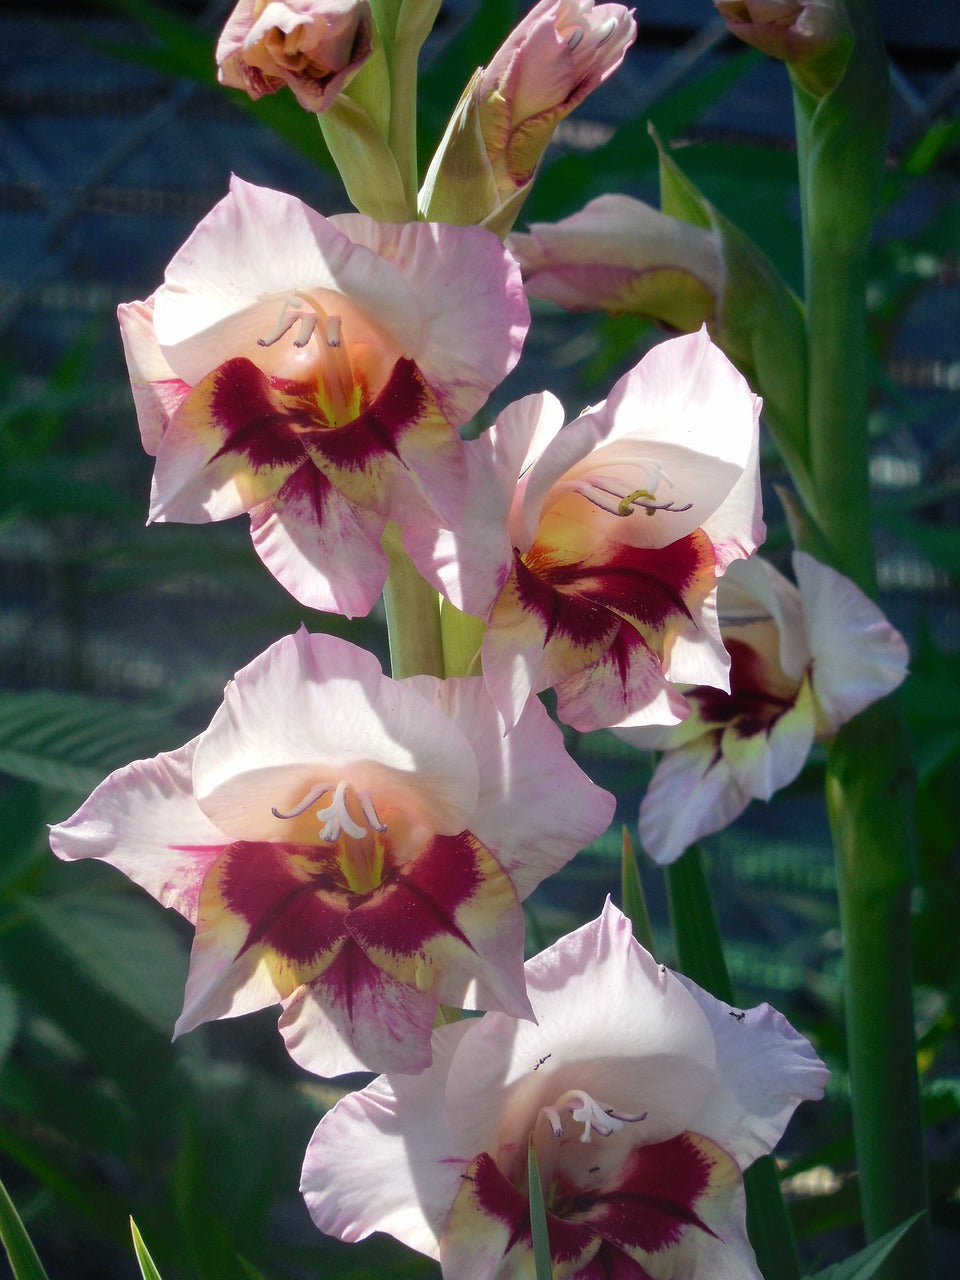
pixel 842 140
pixel 700 952
pixel 413 615
pixel 870 802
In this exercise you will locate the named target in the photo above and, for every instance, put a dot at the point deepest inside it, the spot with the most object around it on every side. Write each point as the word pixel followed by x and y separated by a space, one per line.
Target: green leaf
pixel 147 1266
pixel 538 1216
pixel 9 1019
pixel 864 1263
pixel 122 944
pixel 70 741
pixel 634 902
pixel 23 1257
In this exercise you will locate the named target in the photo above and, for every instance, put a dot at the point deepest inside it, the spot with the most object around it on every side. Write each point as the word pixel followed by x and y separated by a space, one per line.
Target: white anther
pixel 336 818
pixel 574 38
pixel 369 812
pixel 334 331
pixel 307 325
pixel 594 1117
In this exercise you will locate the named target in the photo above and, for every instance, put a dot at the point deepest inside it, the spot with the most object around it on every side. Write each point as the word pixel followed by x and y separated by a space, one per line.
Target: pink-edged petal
pixel 536 808
pixel 319 709
pixel 693 792
pixel 457 273
pixel 222 287
pixel 321 547
pixel 505 1071
pixel 446 922
pixel 383 1159
pixel 144 820
pixel 157 391
pixel 232 443
pixel 858 656
pixel 765 758
pixel 470 563
pixel 268 921
pixel 355 1017
pixel 764 1069
pixel 487 1234
pixel 624 687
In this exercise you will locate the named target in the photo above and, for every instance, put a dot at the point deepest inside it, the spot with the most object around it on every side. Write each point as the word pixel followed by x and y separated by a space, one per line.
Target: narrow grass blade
pixel 631 889
pixel 23 1257
pixel 147 1266
pixel 538 1217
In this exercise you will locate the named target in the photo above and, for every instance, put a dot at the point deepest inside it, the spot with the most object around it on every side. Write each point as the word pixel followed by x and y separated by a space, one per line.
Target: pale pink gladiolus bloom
pixel 557 55
pixel 618 254
pixel 645 1097
pixel 314 46
pixel 352 847
pixel 805 660
pixel 313 372
pixel 593 549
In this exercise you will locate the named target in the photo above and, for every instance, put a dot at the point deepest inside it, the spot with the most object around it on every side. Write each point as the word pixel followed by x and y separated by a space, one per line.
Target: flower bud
pixel 314 46
pixel 619 255
pixel 813 36
pixel 559 53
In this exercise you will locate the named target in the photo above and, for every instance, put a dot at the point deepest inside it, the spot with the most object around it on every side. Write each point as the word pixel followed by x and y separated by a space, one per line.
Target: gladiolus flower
pixel 645 1099
pixel 592 550
pixel 804 662
pixel 314 46
pixel 353 847
pixel 560 52
pixel 312 372
pixel 618 254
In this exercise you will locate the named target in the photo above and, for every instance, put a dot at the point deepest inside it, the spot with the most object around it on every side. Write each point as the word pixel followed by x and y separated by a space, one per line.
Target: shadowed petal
pixel 694 792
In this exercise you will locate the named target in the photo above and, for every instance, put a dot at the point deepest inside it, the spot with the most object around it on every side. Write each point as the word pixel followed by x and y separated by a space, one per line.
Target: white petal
pixel 858 656
pixel 693 793
pixel 762 763
pixel 765 1068
pixel 383 1160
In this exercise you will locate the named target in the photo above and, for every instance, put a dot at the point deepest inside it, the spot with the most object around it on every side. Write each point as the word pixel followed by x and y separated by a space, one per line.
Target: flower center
pixel 342 818
pixel 612 495
pixel 596 1117
pixel 300 308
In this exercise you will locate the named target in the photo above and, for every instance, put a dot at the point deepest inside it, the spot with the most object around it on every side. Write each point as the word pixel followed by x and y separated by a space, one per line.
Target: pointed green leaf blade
pixel 864 1263
pixel 147 1266
pixel 23 1257
pixel 538 1216
pixel 631 889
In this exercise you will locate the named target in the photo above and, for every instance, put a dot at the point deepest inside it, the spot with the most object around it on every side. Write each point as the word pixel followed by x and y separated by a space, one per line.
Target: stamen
pixel 335 818
pixel 305 332
pixel 594 1117
pixel 574 38
pixel 605 32
pixel 334 327
pixel 312 796
pixel 612 496
pixel 290 313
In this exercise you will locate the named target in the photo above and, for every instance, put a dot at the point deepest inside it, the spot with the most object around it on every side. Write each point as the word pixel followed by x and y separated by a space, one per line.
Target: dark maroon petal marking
pixel 750 704
pixel 293 916
pixel 255 420
pixel 565 614
pixel 420 901
pixel 646 584
pixel 610 1263
pixel 401 404
pixel 499 1198
pixel 653 1202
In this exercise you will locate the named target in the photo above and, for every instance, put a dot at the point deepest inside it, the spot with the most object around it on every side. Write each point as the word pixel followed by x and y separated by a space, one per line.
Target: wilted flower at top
pixel 353 847
pixel 312 371
pixel 592 549
pixel 813 36
pixel 645 1099
pixel 558 54
pixel 804 661
pixel 618 254
pixel 314 46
